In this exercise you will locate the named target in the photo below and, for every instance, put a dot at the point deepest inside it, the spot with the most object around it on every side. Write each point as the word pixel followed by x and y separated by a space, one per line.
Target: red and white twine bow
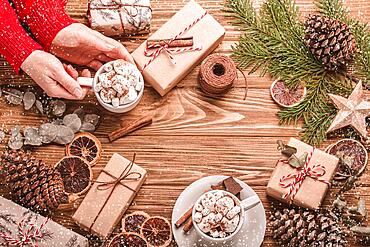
pixel 165 48
pixel 27 236
pixel 314 172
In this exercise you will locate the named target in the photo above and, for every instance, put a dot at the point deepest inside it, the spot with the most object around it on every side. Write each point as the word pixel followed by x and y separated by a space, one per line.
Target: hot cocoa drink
pixel 217 214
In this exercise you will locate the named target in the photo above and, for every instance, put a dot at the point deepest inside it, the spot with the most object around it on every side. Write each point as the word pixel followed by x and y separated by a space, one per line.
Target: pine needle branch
pixel 316 123
pixel 242 11
pixel 332 8
pixel 273 42
pixel 316 100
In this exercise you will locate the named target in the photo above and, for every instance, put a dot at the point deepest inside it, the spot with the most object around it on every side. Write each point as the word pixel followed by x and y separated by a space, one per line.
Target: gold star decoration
pixel 352 111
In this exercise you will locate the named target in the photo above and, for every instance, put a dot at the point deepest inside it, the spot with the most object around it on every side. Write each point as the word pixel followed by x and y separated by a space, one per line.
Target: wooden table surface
pixel 192 135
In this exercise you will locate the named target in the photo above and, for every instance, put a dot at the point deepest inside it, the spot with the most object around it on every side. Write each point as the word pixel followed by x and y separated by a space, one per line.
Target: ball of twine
pixel 217 74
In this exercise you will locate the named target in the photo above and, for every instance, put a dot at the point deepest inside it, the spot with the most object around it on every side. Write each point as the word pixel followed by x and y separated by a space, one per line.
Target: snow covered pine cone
pixel 330 41
pixel 304 228
pixel 33 184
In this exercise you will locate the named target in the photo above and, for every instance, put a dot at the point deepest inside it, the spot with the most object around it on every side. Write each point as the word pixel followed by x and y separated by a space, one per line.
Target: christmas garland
pixel 273 41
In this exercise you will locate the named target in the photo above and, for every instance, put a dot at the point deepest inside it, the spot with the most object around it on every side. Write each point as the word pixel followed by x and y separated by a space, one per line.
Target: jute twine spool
pixel 217 74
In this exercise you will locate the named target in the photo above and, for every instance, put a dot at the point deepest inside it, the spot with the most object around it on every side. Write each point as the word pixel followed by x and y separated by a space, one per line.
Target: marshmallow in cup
pixel 218 207
pixel 118 86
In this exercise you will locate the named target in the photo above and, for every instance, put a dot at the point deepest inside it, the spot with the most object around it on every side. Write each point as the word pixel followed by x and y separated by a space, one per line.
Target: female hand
pixel 81 45
pixel 49 73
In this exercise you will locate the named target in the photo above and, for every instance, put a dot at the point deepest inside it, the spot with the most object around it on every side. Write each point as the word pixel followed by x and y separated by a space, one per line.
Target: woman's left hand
pixel 81 45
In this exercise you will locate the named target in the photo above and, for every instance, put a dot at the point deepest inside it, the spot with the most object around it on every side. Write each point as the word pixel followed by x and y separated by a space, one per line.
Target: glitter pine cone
pixel 301 228
pixel 330 41
pixel 33 184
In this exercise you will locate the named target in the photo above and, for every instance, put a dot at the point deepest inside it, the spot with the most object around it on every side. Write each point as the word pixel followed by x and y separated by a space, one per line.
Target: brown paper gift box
pixel 117 17
pixel 162 74
pixel 312 192
pixel 111 208
pixel 54 235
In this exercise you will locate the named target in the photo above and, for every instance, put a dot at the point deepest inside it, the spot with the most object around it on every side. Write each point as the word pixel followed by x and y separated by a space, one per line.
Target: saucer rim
pixel 216 178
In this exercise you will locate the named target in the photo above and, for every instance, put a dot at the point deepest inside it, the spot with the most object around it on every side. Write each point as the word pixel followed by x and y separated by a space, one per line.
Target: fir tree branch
pixel 316 123
pixel 332 8
pixel 317 98
pixel 362 60
pixel 316 109
pixel 273 42
pixel 242 11
pixel 282 17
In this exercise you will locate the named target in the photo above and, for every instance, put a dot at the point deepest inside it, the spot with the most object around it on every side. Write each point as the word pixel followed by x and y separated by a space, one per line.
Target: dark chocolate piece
pixel 232 186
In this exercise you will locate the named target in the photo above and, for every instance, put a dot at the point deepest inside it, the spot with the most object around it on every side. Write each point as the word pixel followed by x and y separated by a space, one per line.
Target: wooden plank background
pixel 192 135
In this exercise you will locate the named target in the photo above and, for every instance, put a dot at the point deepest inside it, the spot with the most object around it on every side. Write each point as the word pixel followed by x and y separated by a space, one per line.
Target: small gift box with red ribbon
pixel 164 65
pixel 21 227
pixel 120 17
pixel 110 196
pixel 305 185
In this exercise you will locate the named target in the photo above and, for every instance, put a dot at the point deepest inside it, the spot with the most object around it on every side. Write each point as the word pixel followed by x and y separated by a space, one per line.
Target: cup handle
pixel 250 202
pixel 85 81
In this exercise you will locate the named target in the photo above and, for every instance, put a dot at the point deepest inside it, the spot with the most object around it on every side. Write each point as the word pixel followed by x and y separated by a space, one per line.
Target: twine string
pixel 126 175
pixel 118 6
pixel 217 75
pixel 245 81
pixel 165 47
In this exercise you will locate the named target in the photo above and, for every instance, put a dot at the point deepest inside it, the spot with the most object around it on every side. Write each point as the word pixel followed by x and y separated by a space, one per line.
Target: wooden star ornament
pixel 352 111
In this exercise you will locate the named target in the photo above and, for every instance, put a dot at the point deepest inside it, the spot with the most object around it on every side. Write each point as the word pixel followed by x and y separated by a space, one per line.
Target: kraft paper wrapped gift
pixel 16 220
pixel 120 17
pixel 207 34
pixel 110 196
pixel 312 191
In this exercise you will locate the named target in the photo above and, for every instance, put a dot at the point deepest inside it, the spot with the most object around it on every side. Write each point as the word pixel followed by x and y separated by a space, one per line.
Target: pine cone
pixel 33 184
pixel 330 41
pixel 298 228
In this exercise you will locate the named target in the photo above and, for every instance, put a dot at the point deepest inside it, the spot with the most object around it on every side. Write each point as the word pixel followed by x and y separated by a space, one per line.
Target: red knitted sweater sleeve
pixel 15 44
pixel 44 17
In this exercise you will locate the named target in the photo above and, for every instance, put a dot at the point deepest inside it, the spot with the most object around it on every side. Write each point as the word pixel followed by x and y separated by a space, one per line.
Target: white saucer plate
pixel 251 234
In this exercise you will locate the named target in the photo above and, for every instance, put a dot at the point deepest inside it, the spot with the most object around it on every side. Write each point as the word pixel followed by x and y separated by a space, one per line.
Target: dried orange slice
pixel 287 97
pixel 157 231
pixel 76 174
pixel 85 145
pixel 133 222
pixel 128 239
pixel 352 156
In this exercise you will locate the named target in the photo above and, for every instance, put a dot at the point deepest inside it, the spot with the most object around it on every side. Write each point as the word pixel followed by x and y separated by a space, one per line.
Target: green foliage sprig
pixel 273 42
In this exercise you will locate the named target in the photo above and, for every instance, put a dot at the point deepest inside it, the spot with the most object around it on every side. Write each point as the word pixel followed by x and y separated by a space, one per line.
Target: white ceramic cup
pixel 245 205
pixel 91 82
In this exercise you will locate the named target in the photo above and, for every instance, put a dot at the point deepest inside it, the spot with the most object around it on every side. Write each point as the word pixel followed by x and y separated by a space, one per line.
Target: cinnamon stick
pixel 179 42
pixel 188 225
pixel 130 127
pixel 184 217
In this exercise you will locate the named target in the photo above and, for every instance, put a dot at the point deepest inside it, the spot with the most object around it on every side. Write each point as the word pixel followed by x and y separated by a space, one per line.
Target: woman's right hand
pixel 50 74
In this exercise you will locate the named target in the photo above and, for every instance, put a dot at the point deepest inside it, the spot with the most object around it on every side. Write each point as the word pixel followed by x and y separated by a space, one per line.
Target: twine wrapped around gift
pixel 27 236
pixel 121 8
pixel 126 175
pixel 314 172
pixel 165 47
